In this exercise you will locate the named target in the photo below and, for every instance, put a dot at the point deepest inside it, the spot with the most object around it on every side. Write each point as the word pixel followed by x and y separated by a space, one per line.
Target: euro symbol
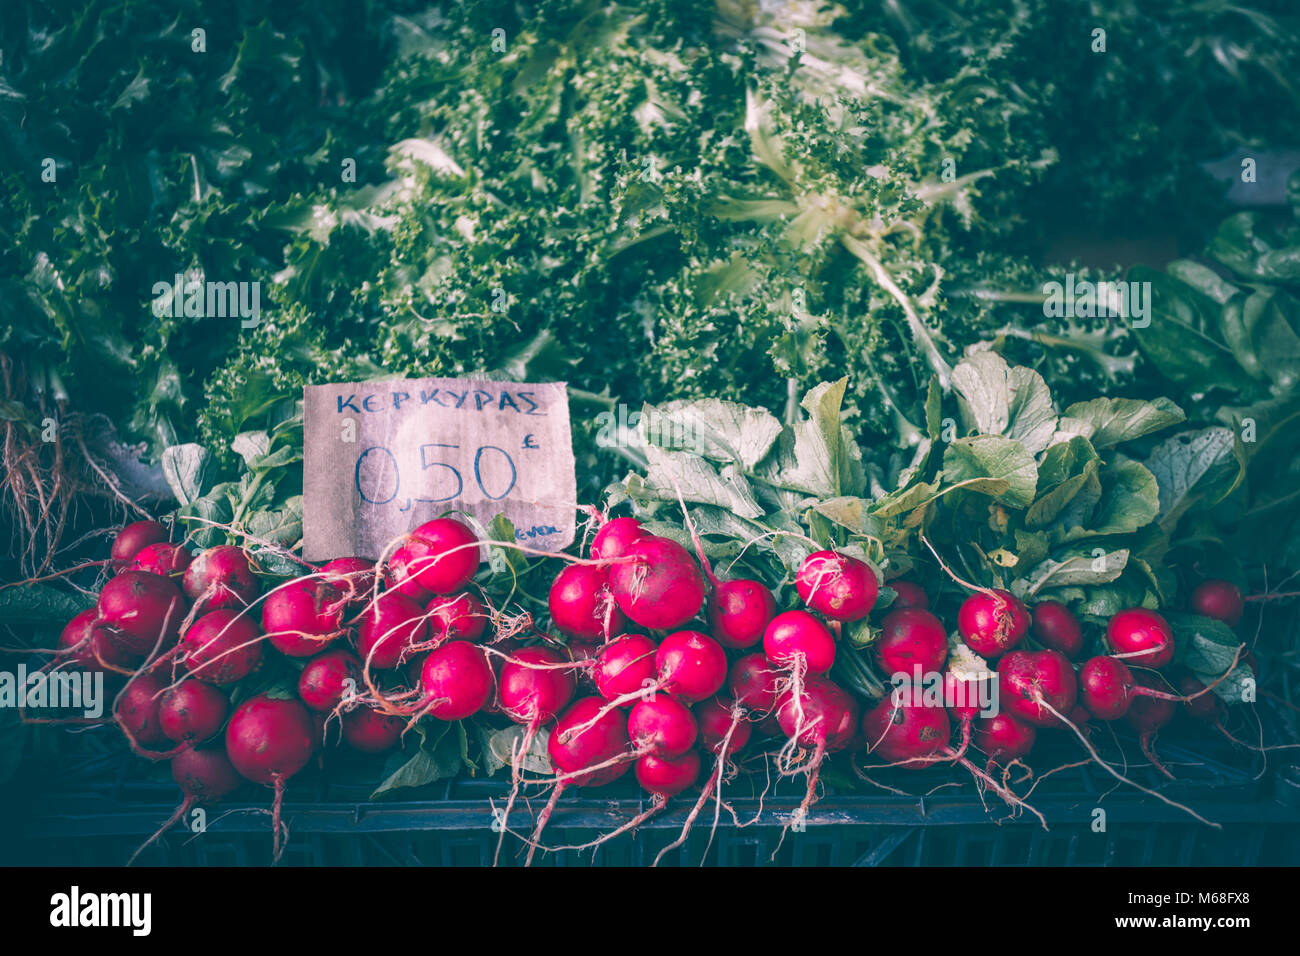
pixel 529 443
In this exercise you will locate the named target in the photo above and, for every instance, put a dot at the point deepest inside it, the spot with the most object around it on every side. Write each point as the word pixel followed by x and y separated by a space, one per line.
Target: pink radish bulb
pixel 1106 687
pixel 222 647
pixel 460 617
pixel 1144 634
pixel 992 623
pixel 457 681
pixel 604 740
pixel 1196 703
pixel 715 719
pixel 303 617
pixel 1027 679
pixel 667 776
pixel 221 577
pixel 657 584
pixel 911 638
pixel 830 715
pixel 91 647
pixel 355 577
pixel 269 738
pixel 192 712
pixel 691 665
pixel 445 555
pixel 400 573
pixel 532 688
pixel 136 710
pixel 663 726
pixel 739 612
pixel 582 605
pixel 614 538
pixel 134 538
pixel 142 611
pixel 1221 600
pixel 167 560
pixel 754 683
pixel 330 678
pixel 370 732
pixel 837 586
pixel 797 637
pixel 1056 628
pixel 625 665
pixel 906 732
pixel 908 594
pixel 1150 710
pixel 1003 738
pixel 390 625
pixel 205 773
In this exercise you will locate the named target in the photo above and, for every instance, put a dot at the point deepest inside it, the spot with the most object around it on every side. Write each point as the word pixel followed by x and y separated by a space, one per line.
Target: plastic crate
pixel 99 811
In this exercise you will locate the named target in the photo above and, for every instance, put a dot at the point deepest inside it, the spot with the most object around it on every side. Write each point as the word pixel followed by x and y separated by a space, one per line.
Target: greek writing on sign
pixel 381 458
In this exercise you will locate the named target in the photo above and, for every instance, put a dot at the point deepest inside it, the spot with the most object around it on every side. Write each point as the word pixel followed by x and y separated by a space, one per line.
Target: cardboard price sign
pixel 381 458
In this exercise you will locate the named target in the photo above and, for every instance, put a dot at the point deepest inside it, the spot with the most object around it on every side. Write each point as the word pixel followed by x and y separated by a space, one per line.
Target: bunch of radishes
pixel 660 671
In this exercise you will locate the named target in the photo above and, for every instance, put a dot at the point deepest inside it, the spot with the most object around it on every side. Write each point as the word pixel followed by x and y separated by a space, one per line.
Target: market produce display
pixel 859 492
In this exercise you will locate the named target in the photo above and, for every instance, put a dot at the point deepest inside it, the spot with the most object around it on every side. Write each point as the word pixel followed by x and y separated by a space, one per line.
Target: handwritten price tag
pixel 381 458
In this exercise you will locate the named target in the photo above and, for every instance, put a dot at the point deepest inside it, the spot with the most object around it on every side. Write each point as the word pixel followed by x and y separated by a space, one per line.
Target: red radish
pixel 221 577
pixel 1056 628
pixel 460 617
pixel 168 560
pixel 533 687
pixel 614 538
pixel 582 605
pixel 662 726
pixel 1149 711
pixel 355 577
pixel 739 612
pixel 966 700
pixel 1196 703
pixel 367 730
pixel 691 665
pixel 204 776
pixel 1109 688
pixel 399 573
pixel 1003 738
pixel 837 585
pixel 133 539
pixel 269 739
pixel 815 714
pixel 624 666
pixel 92 647
pixel 1144 635
pixel 829 715
pixel 992 622
pixel 456 681
pixel 329 679
pixel 754 684
pixel 192 712
pixel 911 638
pixel 390 625
pixel 136 710
pixel 142 611
pixel 594 754
pixel 445 555
pixel 667 776
pixel 1221 600
pixel 1034 683
pixel 659 586
pixel 222 647
pixel 717 718
pixel 908 594
pixel 907 732
pixel 796 637
pixel 303 617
